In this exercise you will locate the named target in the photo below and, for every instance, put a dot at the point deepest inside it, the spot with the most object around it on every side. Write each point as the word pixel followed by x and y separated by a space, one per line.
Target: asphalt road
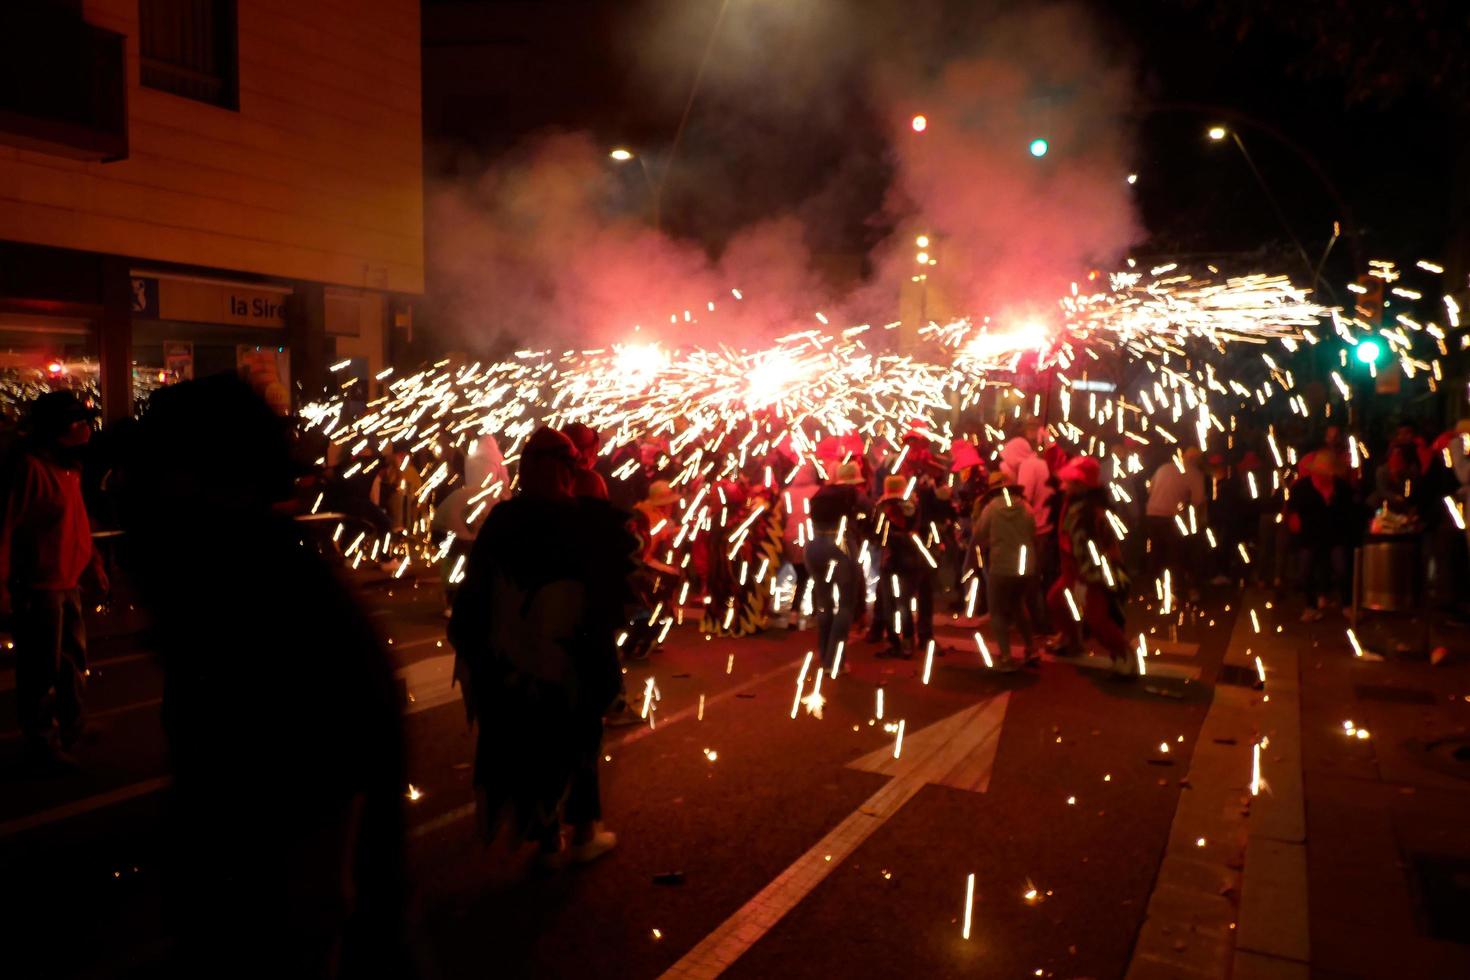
pixel 1056 780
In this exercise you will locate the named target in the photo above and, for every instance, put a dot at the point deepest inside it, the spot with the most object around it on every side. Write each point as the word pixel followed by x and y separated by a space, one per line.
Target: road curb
pixel 1273 939
pixel 1230 899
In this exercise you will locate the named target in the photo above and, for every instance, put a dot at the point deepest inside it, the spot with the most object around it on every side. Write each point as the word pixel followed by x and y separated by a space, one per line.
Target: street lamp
pixel 920 124
pixel 1217 134
pixel 922 241
pixel 622 155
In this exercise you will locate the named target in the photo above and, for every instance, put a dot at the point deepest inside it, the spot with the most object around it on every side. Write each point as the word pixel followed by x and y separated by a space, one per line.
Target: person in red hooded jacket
pixel 45 550
pixel 587 482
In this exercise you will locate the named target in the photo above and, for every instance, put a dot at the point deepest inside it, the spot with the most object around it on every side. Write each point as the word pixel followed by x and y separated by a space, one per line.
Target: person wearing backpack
pixel 1091 565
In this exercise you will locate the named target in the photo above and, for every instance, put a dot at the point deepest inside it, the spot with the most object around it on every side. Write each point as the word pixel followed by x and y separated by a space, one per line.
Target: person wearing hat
pixel 1005 533
pixel 655 521
pixel 1177 488
pixel 1033 476
pixel 839 511
pixel 968 470
pixel 1324 521
pixel 546 590
pixel 906 575
pixel 45 551
pixel 1090 565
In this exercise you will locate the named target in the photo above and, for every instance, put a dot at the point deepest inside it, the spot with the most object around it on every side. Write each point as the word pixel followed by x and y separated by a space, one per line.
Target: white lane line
pixel 628 738
pixel 943 748
pixel 78 807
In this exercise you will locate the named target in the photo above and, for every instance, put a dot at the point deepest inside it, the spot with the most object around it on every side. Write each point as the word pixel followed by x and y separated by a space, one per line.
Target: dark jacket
pixel 546 587
pixel 1325 524
pixel 833 502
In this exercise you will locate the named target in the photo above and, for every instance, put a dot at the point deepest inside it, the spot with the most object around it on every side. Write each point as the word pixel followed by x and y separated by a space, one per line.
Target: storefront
pixel 40 353
pixel 192 326
pixel 116 330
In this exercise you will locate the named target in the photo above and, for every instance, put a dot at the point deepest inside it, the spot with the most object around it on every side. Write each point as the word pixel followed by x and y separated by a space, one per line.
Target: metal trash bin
pixel 1388 578
pixel 1388 573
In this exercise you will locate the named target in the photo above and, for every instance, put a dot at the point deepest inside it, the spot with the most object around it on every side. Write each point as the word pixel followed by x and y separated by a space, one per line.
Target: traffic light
pixel 1039 147
pixel 1369 351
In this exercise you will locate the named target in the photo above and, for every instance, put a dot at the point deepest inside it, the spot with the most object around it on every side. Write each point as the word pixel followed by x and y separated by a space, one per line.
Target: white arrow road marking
pixel 958 751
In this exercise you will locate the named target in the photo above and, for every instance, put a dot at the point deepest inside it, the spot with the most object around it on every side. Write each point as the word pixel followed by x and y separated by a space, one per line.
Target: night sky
pixel 497 72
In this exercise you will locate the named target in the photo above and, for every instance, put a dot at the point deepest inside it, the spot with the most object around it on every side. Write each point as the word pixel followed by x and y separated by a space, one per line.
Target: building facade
pixel 190 186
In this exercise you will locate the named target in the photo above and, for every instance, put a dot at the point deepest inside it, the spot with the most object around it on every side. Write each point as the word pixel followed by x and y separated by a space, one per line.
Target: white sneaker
pixel 594 847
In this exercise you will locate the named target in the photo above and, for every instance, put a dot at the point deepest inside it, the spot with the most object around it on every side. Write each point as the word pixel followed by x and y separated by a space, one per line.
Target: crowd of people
pixel 560 573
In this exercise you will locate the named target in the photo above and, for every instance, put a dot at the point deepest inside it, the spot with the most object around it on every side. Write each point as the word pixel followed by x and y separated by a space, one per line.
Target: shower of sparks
pixel 1128 363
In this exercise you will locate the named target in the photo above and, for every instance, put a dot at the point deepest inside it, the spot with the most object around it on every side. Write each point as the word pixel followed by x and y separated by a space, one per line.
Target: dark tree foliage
pixel 1383 52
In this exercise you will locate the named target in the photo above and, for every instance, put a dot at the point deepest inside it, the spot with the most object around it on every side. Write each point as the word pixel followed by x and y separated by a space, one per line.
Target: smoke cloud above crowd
pixel 789 168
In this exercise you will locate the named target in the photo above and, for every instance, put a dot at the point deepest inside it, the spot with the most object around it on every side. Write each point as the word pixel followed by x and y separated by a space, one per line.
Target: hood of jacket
pixel 1016 451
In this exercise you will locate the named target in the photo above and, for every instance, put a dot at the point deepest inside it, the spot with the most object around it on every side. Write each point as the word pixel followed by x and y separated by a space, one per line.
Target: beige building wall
pixel 318 176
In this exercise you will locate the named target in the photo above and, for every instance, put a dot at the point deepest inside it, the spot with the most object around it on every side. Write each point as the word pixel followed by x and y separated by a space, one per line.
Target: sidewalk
pixel 1354 860
pixel 1388 844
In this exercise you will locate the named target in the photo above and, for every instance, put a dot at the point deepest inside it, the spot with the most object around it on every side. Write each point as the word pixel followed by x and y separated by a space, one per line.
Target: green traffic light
pixel 1039 147
pixel 1368 351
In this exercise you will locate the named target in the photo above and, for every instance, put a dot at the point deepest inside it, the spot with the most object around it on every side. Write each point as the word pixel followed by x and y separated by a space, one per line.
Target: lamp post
pixel 622 154
pixel 1231 119
pixel 1217 134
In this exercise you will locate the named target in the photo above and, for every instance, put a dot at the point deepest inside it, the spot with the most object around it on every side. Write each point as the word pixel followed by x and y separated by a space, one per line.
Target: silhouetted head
pixel 547 463
pixel 211 449
pixel 60 420
pixel 586 440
